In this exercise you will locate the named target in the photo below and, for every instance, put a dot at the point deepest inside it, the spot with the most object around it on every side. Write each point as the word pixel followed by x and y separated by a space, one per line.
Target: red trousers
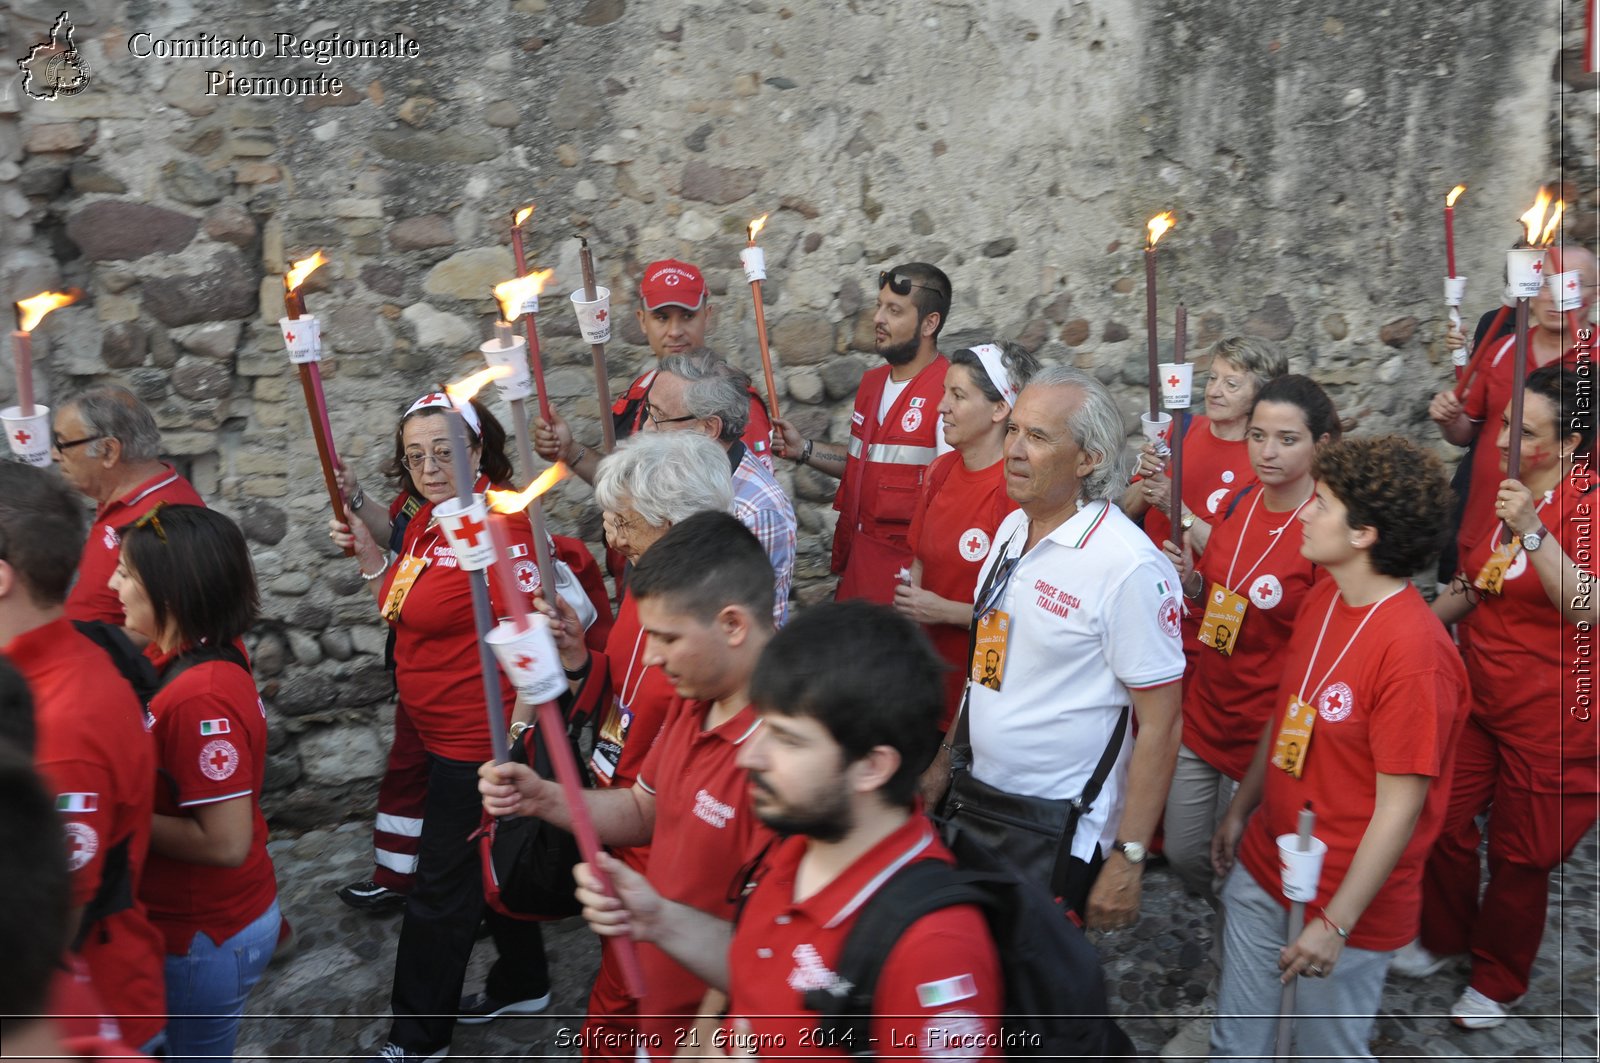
pixel 401 796
pixel 1530 834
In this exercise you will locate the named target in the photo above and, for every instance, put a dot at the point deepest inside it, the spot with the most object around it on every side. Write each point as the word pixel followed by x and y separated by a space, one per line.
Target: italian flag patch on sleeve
pixel 214 727
pixel 947 991
pixel 78 803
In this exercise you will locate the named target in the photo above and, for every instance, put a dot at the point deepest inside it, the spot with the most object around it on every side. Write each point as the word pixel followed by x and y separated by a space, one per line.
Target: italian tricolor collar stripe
pixel 1105 507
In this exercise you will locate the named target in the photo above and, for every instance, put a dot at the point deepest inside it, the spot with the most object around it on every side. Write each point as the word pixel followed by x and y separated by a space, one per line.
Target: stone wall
pixel 1019 145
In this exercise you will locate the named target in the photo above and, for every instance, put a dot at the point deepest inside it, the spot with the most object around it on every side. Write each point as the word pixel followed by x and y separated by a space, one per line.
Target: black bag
pixel 527 863
pixel 1055 998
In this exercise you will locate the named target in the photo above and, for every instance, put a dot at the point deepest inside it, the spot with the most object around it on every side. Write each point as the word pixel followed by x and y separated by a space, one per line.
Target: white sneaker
pixel 1192 1041
pixel 1414 961
pixel 1474 1011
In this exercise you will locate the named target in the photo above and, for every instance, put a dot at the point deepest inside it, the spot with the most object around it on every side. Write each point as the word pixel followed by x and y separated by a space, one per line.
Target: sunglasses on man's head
pixel 901 284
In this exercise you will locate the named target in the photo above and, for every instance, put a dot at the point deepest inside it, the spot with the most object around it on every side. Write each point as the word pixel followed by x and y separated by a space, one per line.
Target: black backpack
pixel 1055 997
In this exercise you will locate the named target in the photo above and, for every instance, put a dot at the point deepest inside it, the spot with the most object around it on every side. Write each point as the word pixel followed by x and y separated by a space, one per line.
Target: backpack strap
pixel 845 1009
pixel 199 655
pixel 1085 802
pixel 1237 498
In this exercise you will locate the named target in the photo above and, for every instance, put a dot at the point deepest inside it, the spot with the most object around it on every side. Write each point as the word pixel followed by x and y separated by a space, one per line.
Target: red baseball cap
pixel 670 282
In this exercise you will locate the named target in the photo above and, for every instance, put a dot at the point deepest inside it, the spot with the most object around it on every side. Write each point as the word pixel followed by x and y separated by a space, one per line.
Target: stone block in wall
pixel 426 146
pixel 340 753
pixel 201 380
pixel 842 375
pixel 365 684
pixel 186 181
pixel 88 176
pixel 214 340
pixel 226 289
pixel 124 345
pixel 283 771
pixel 805 385
pixel 470 274
pixel 721 185
pixel 229 223
pixel 435 328
pixel 428 230
pixel 110 229
pixel 802 338
pixel 1272 320
pixel 304 693
pixel 337 645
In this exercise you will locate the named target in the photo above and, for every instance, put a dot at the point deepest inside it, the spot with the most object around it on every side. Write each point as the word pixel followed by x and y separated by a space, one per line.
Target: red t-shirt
pixel 1393 703
pixel 940 990
pixel 211 733
pixel 1486 402
pixel 704 834
pixel 93 750
pixel 436 642
pixel 952 531
pixel 1521 655
pixel 1212 468
pixel 1227 700
pixel 91 597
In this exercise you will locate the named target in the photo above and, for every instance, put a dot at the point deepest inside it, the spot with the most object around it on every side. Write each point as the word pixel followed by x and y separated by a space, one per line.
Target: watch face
pixel 1532 540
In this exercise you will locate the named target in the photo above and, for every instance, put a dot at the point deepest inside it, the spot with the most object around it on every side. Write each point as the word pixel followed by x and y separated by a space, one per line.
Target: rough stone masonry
pixel 1019 145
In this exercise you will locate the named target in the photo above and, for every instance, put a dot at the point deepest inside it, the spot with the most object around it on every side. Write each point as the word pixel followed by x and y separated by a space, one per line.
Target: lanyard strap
pixel 1357 634
pixel 1275 536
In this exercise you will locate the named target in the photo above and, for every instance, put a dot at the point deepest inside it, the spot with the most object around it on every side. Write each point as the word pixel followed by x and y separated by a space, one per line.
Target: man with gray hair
pixel 699 392
pixel 1082 612
pixel 109 448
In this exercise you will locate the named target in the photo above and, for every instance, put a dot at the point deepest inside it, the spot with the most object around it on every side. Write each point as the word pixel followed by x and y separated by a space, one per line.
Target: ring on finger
pixel 1314 970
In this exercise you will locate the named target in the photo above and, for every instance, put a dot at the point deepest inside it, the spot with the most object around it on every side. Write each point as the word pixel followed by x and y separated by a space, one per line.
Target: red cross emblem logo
pixel 22 437
pixel 218 760
pixel 1336 703
pixel 1171 615
pixel 289 336
pixel 974 543
pixel 435 398
pixel 1572 284
pixel 524 662
pixel 470 530
pixel 600 315
pixel 1538 267
pixel 1174 380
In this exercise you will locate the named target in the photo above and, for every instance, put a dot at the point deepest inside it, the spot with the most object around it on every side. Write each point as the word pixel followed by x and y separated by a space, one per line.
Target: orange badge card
pixel 1224 616
pixel 405 576
pixel 1294 737
pixel 989 651
pixel 1491 579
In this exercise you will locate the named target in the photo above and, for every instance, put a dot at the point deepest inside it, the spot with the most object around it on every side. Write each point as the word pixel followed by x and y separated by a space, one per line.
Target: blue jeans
pixel 206 989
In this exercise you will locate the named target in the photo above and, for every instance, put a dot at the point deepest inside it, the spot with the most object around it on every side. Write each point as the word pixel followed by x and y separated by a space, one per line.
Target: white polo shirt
pixel 1094 613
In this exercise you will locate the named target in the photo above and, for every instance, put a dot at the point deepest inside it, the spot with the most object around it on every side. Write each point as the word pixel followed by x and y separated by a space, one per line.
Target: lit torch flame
pixel 755 227
pixel 301 270
pixel 462 391
pixel 1554 225
pixel 513 293
pixel 1455 194
pixel 1533 219
pixel 517 501
pixel 522 215
pixel 1159 225
pixel 32 311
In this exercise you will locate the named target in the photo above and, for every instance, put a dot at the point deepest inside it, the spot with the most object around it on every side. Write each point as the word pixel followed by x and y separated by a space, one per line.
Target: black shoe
pixel 480 1008
pixel 368 896
pixel 393 1053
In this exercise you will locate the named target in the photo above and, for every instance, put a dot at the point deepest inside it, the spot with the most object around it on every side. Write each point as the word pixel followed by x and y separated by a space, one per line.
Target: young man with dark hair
pixel 704 592
pixel 92 745
pixel 836 767
pixel 894 434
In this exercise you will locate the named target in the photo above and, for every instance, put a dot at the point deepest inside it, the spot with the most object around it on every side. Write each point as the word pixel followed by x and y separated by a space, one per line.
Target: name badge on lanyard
pixel 405 577
pixel 1294 736
pixel 1225 612
pixel 991 625
pixel 1491 579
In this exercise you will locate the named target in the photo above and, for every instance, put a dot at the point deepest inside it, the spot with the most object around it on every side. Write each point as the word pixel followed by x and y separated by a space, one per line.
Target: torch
pixel 1525 267
pixel 755 271
pixel 521 296
pixel 27 424
pixel 302 335
pixel 1455 288
pixel 594 322
pixel 1157 227
pixel 1300 857
pixel 530 325
pixel 527 652
pixel 1179 377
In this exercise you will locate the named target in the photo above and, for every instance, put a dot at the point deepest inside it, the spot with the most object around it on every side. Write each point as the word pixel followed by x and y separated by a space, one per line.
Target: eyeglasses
pixel 416 459
pixel 901 284
pixel 617 525
pixel 152 520
pixel 67 444
pixel 654 413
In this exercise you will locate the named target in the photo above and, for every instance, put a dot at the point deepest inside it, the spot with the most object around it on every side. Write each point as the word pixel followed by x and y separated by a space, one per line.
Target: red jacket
pixel 883 476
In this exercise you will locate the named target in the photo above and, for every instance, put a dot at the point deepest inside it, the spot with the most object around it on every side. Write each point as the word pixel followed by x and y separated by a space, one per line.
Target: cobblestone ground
pixel 330 1000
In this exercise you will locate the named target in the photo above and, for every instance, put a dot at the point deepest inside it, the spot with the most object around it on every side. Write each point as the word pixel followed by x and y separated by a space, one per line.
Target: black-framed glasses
pixel 67 444
pixel 152 520
pixel 656 419
pixel 901 284
pixel 416 459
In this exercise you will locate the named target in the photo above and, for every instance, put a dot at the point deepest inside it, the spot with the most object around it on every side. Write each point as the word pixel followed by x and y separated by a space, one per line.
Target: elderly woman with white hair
pixel 649 483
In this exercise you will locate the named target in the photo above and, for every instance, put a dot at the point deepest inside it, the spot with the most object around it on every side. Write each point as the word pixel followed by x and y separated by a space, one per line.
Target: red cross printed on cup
pixel 600 315
pixel 1174 380
pixel 1538 267
pixel 289 336
pixel 22 437
pixel 524 662
pixel 470 530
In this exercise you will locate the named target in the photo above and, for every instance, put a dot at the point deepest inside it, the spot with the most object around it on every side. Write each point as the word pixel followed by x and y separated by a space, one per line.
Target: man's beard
pixel 901 353
pixel 828 821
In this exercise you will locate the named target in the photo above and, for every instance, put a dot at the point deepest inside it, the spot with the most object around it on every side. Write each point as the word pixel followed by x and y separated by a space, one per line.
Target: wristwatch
pixel 1187 521
pixel 1132 852
pixel 515 734
pixel 1532 540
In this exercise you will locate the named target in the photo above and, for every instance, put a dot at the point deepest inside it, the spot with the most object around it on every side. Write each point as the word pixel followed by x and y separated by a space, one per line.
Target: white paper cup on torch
pixel 529 658
pixel 594 315
pixel 1300 870
pixel 755 263
pixel 1455 290
pixel 517 384
pixel 1177 384
pixel 303 337
pixel 1525 271
pixel 1158 432
pixel 28 437
pixel 1567 290
pixel 467 529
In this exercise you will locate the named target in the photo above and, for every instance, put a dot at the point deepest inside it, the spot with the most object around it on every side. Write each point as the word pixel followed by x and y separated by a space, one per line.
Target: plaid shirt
pixel 761 506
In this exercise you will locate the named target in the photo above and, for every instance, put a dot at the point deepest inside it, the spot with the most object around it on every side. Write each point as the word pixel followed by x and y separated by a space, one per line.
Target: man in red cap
pixel 675 314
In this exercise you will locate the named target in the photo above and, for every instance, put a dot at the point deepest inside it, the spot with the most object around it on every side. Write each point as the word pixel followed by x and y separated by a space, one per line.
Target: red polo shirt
pixel 940 991
pixel 1212 468
pixel 92 597
pixel 705 833
pixel 96 755
pixel 211 732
